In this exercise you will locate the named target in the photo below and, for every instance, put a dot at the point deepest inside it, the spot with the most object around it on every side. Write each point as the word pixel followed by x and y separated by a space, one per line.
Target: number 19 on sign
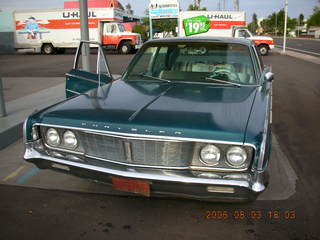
pixel 196 25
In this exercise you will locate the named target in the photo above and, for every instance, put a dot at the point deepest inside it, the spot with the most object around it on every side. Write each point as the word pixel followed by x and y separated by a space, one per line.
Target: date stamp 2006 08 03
pixel 251 214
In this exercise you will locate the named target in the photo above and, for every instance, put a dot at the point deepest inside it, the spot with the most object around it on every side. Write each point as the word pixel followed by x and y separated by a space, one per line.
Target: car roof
pixel 204 39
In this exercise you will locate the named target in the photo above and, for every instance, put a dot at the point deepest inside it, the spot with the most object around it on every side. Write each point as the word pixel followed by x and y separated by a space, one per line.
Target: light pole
pixel 299 26
pixel 285 26
pixel 276 30
pixel 2 102
pixel 150 23
pixel 236 5
pixel 84 29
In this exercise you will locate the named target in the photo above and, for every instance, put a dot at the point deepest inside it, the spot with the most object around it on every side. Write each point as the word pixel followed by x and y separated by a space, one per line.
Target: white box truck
pixel 221 24
pixel 51 30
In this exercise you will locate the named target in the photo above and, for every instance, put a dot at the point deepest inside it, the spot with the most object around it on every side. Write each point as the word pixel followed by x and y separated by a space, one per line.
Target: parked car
pixel 190 117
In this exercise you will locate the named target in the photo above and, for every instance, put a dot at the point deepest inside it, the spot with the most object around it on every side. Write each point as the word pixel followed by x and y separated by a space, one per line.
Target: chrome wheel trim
pixel 263 50
pixel 124 48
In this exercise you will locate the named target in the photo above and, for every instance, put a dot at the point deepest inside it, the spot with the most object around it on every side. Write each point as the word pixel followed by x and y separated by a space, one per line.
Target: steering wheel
pixel 225 74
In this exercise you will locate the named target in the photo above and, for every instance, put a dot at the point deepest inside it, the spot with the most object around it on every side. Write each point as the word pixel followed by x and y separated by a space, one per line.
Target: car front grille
pixel 137 151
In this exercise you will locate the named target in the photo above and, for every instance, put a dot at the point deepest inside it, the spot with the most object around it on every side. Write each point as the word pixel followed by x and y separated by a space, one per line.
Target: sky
pixel 263 8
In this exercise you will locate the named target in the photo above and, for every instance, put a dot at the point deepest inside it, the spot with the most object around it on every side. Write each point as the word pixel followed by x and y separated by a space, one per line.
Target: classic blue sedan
pixel 190 117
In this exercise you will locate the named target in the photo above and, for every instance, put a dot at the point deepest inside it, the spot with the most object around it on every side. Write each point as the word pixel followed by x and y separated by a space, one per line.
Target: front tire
pixel 264 50
pixel 48 48
pixel 125 48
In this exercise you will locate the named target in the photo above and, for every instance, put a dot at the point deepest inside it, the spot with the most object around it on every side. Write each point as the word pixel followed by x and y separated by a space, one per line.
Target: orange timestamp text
pixel 251 214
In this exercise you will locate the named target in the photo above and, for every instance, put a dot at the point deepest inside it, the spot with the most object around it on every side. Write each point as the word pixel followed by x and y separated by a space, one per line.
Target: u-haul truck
pixel 221 24
pixel 51 30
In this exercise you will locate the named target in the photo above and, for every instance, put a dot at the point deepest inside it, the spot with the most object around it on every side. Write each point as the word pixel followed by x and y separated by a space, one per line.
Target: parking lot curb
pixel 297 38
pixel 302 56
pixel 10 135
pixel 18 110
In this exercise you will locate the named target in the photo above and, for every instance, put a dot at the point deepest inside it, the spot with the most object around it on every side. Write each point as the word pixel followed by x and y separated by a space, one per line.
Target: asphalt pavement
pixel 51 213
pixel 306 46
pixel 38 65
pixel 45 71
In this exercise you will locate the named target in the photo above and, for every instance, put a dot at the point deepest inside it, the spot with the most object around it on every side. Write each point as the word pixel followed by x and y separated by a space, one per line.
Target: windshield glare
pixel 194 62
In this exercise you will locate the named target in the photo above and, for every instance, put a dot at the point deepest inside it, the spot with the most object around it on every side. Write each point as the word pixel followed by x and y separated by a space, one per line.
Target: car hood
pixel 171 109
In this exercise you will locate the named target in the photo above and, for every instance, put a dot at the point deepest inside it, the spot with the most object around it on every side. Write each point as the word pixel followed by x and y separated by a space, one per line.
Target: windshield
pixel 194 62
pixel 121 28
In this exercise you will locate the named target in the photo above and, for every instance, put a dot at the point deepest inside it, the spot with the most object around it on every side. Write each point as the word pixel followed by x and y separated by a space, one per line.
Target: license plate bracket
pixel 131 185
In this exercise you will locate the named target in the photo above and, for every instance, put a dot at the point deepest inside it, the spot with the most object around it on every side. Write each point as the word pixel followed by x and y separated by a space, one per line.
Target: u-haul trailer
pixel 224 24
pixel 49 30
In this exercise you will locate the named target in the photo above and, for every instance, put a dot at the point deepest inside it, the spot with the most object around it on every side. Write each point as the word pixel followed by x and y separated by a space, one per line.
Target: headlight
pixel 236 156
pixel 52 137
pixel 210 155
pixel 70 140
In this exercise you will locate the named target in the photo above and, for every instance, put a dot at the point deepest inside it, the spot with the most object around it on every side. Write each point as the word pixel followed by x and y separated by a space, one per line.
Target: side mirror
pixel 269 76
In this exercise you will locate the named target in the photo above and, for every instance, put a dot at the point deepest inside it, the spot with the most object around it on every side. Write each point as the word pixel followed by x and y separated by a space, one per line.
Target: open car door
pixel 78 80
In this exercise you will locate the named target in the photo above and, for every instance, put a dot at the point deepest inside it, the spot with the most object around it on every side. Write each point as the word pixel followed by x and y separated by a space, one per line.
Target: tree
pixel 275 23
pixel 301 18
pixel 314 20
pixel 196 6
pixel 158 25
pixel 141 29
pixel 165 25
pixel 253 26
pixel 129 8
pixel 145 21
pixel 292 23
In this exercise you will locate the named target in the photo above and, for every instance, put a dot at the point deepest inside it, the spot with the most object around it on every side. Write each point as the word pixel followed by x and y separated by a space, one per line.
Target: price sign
pixel 196 25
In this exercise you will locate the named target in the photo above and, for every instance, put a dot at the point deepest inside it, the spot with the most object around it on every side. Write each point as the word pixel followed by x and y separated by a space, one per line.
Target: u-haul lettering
pixel 220 16
pixel 77 14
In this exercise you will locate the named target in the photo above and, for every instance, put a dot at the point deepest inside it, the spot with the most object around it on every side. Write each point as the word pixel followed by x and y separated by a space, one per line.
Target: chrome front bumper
pixel 185 183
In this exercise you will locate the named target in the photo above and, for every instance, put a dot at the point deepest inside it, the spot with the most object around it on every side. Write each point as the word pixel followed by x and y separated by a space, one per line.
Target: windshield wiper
pixel 152 77
pixel 223 81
